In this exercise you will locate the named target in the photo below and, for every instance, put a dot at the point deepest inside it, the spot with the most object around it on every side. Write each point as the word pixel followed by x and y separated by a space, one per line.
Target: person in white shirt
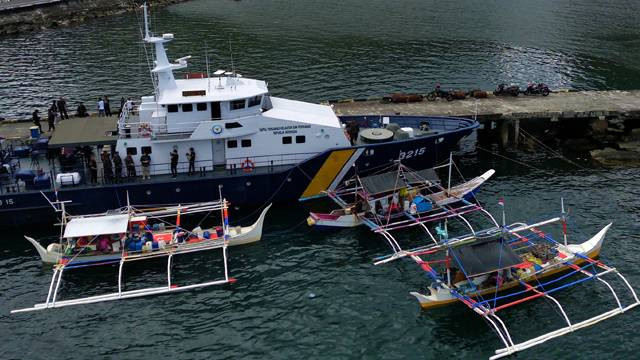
pixel 101 107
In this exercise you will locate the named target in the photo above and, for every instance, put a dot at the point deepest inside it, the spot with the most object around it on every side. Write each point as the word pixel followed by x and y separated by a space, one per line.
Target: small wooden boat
pixel 530 269
pixel 416 193
pixel 238 235
pixel 134 234
pixel 493 269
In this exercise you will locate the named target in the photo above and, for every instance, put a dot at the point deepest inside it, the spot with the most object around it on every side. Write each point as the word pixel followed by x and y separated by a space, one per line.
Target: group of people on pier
pixel 58 110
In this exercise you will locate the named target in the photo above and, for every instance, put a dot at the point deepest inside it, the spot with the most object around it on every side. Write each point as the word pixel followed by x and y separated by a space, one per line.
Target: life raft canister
pixel 247 165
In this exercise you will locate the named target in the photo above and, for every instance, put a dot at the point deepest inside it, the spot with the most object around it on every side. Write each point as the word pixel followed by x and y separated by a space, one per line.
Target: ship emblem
pixel 217 129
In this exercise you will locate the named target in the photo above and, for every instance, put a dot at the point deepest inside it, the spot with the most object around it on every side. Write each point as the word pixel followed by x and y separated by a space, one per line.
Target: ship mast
pixel 163 69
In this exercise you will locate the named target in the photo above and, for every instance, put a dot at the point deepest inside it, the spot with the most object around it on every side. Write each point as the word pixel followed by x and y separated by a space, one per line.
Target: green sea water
pixel 317 295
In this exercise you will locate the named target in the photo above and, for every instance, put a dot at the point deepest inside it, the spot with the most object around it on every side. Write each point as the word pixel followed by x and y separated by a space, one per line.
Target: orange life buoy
pixel 248 165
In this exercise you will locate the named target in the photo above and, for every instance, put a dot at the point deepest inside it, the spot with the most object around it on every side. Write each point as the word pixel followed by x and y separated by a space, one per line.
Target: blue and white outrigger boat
pixel 491 269
pixel 134 234
pixel 394 193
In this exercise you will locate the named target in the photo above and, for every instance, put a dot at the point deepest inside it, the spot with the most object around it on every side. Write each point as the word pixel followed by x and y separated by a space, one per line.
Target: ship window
pixel 237 104
pixel 232 144
pixel 201 106
pixel 132 151
pixel 145 149
pixel 286 139
pixel 172 108
pixel 246 142
pixel 187 107
pixel 232 125
pixel 300 139
pixel 255 101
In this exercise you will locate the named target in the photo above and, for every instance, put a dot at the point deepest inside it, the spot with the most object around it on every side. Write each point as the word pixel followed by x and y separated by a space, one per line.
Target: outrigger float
pixel 127 235
pixel 495 268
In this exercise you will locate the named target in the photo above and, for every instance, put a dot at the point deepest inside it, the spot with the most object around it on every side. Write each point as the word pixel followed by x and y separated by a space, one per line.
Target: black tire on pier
pixel 449 97
pixel 431 96
pixel 545 92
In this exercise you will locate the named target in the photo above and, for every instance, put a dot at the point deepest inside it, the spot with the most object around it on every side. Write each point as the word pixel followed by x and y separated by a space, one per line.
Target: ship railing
pixel 130 128
pixel 246 162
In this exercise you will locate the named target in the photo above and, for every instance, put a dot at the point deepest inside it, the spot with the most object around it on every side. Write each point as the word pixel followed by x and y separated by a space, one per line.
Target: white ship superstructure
pixel 229 120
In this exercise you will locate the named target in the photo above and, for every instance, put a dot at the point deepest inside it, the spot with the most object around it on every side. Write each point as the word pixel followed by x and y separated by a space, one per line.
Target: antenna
pixel 146 21
pixel 233 68
pixel 206 56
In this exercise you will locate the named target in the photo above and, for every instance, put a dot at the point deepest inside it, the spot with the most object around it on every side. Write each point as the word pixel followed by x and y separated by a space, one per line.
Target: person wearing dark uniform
pixel 191 156
pixel 93 169
pixel 107 107
pixel 117 165
pixel 36 119
pixel 62 108
pixel 51 119
pixel 107 166
pixel 145 161
pixel 174 163
pixel 81 111
pixel 353 129
pixel 131 167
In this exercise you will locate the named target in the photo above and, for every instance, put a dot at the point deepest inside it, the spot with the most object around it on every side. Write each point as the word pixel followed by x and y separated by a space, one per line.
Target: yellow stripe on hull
pixel 435 304
pixel 329 170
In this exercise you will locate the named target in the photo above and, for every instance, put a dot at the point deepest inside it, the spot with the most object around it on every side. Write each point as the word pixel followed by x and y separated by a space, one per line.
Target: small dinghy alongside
pixel 133 234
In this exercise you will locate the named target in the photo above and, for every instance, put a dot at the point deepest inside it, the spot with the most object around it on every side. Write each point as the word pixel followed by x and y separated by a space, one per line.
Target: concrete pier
pixel 505 113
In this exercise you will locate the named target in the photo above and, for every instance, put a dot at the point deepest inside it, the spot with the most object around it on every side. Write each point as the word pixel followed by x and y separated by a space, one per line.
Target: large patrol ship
pixel 259 147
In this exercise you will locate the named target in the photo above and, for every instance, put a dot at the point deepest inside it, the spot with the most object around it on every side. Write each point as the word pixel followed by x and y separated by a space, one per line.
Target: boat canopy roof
pixel 485 257
pixel 391 181
pixel 98 225
pixel 385 182
pixel 420 176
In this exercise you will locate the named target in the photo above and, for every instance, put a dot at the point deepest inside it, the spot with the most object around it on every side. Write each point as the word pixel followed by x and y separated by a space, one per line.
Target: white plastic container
pixel 408 130
pixel 72 178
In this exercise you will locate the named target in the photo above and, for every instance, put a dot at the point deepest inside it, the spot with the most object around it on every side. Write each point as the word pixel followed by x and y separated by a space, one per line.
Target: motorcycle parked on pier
pixel 537 89
pixel 504 90
pixel 449 95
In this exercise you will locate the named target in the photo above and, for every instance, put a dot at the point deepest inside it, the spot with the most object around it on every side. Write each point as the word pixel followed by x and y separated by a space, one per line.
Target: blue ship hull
pixel 249 189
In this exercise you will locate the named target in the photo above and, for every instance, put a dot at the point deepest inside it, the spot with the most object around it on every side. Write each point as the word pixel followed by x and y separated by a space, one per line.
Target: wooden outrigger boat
pixel 493 269
pixel 134 234
pixel 393 194
pixel 163 233
pixel 498 267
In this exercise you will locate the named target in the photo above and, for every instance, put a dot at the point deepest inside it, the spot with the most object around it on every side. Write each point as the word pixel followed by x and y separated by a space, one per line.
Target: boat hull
pixel 247 235
pixel 263 185
pixel 591 248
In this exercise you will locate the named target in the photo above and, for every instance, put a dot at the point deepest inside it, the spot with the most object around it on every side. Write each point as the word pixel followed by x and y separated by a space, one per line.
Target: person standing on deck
pixel 107 167
pixel 117 165
pixel 107 107
pixel 191 156
pixel 54 107
pixel 174 163
pixel 145 160
pixel 81 111
pixel 101 107
pixel 51 119
pixel 131 167
pixel 129 105
pixel 62 108
pixel 36 119
pixel 93 169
